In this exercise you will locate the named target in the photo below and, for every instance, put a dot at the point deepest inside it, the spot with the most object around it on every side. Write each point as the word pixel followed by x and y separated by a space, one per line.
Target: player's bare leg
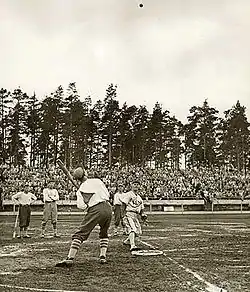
pixel 131 239
pixel 55 231
pixel 20 233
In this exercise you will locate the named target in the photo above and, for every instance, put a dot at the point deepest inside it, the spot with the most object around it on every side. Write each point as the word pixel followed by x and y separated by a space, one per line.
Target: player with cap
pixel 92 196
pixel 50 198
pixel 134 212
pixel 24 199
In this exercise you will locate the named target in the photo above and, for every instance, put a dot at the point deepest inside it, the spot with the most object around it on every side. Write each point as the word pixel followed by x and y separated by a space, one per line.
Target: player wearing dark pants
pixel 24 199
pixel 93 196
pixel 24 216
pixel 119 210
pixel 98 214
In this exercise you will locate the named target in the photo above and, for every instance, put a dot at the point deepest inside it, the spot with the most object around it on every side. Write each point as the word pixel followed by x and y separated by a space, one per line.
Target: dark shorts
pixel 100 214
pixel 119 212
pixel 24 216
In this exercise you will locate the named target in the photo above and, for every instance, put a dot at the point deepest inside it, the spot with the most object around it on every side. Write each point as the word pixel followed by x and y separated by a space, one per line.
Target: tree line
pixel 62 125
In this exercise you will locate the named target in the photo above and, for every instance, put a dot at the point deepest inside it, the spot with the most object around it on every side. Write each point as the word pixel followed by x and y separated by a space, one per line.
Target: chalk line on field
pixel 37 289
pixel 210 287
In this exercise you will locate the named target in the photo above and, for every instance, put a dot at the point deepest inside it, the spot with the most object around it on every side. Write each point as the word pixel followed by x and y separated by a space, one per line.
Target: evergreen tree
pixel 17 129
pixel 125 143
pixel 51 123
pixel 33 127
pixel 95 127
pixel 235 137
pixel 72 114
pixel 5 101
pixel 110 120
pixel 200 135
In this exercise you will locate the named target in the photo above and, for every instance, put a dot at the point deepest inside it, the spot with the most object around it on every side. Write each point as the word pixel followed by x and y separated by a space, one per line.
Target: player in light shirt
pixel 24 199
pixel 134 210
pixel 93 197
pixel 50 198
pixel 119 209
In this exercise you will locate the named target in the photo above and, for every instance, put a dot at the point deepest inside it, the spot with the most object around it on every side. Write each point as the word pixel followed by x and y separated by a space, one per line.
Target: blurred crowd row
pixel 155 183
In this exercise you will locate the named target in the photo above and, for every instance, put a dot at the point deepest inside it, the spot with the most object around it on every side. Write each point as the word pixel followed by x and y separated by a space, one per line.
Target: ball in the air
pixel 140 5
pixel 78 173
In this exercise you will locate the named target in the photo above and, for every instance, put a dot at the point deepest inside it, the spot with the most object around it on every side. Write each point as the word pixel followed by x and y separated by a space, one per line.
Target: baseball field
pixel 201 252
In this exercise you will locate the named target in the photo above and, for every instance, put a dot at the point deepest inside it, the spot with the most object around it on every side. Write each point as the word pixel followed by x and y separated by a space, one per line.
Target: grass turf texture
pixel 214 247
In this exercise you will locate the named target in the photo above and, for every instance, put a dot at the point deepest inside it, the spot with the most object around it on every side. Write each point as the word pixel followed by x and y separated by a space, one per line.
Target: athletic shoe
pixel 26 236
pixel 65 263
pixel 134 248
pixel 19 236
pixel 103 260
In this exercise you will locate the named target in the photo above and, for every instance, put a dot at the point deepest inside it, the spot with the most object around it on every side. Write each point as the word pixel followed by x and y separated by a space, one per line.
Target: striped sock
pixel 75 245
pixel 104 242
pixel 103 246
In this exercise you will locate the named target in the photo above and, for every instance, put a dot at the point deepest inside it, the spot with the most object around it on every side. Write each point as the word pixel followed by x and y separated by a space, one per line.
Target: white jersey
pixel 23 198
pixel 50 195
pixel 134 202
pixel 91 193
pixel 118 198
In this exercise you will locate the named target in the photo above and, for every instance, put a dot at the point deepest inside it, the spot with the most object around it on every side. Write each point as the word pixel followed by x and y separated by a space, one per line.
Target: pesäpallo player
pixel 92 196
pixel 24 199
pixel 134 211
pixel 50 198
pixel 119 209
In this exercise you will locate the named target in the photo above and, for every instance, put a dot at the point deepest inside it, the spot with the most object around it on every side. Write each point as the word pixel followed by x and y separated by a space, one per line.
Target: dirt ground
pixel 200 253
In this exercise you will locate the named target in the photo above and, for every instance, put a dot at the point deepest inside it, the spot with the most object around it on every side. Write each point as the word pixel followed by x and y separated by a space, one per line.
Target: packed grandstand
pixel 155 183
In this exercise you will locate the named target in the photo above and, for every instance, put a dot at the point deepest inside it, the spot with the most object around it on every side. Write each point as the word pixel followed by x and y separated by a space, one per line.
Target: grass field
pixel 201 253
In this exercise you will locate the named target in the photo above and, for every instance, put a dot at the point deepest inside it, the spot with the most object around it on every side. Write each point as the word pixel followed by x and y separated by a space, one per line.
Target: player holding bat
pixel 93 196
pixel 24 199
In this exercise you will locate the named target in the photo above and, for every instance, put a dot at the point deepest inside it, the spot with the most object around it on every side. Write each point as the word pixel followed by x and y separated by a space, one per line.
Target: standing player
pixel 50 198
pixel 24 199
pixel 93 196
pixel 119 209
pixel 134 210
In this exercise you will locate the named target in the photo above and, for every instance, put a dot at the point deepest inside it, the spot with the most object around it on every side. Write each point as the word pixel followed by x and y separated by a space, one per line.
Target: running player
pixel 94 197
pixel 134 210
pixel 24 199
pixel 50 198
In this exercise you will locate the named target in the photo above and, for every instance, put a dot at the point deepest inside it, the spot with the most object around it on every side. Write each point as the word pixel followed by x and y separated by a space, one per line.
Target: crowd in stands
pixel 155 183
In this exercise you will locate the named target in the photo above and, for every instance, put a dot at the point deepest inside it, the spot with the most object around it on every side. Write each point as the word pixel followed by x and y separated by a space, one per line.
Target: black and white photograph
pixel 124 145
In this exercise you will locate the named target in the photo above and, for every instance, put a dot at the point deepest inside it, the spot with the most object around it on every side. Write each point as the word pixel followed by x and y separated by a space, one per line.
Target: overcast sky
pixel 177 52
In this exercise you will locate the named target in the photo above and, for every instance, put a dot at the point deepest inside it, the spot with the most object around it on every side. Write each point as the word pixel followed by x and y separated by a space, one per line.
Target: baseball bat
pixel 15 227
pixel 66 172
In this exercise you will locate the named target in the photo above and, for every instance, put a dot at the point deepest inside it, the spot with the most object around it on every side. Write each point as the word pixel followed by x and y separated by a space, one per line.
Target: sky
pixel 176 52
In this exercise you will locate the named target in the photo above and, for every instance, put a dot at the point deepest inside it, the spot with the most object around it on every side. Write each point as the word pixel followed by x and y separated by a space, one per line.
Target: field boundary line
pixel 210 287
pixel 37 289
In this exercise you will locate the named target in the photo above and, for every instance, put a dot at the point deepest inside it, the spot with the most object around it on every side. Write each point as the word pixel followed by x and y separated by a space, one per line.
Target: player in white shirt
pixel 50 198
pixel 92 196
pixel 24 199
pixel 119 209
pixel 134 210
